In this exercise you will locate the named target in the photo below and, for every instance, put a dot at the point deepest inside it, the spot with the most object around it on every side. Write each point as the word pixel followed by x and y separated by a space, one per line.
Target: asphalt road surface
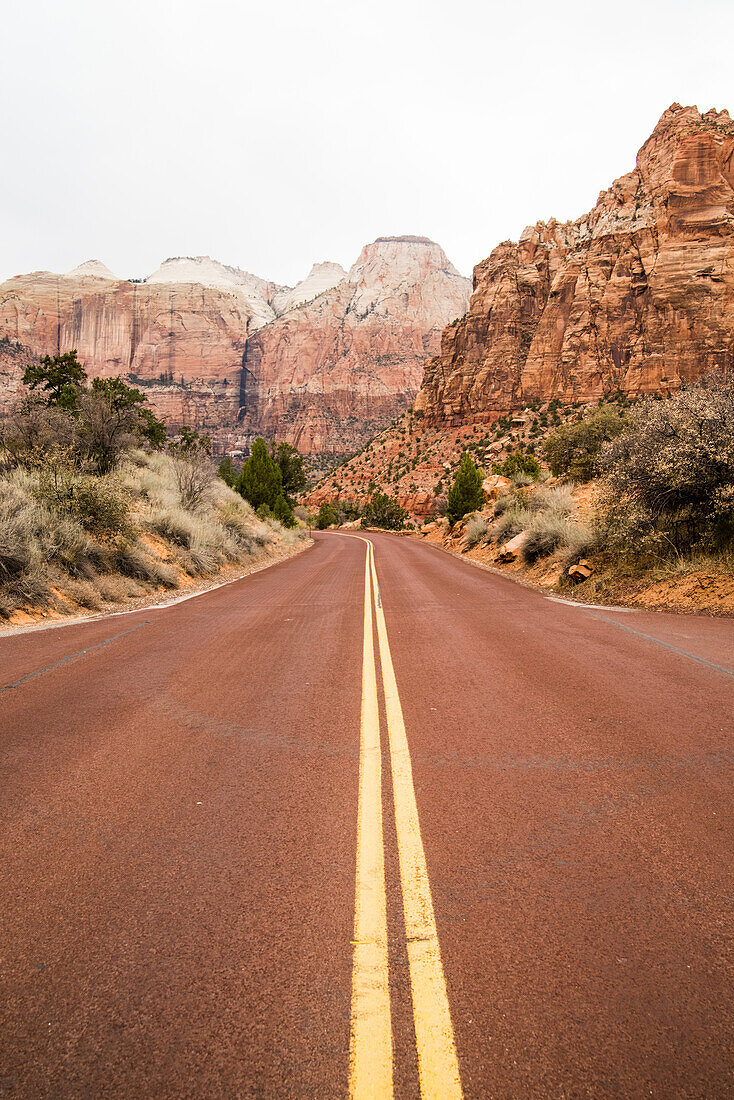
pixel 372 821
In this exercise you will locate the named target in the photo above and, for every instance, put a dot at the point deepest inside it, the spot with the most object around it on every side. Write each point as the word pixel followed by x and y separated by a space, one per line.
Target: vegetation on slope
pixel 661 503
pixel 94 511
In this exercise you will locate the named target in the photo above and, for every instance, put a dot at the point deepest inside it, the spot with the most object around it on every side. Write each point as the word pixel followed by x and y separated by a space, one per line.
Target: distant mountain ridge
pixel 183 333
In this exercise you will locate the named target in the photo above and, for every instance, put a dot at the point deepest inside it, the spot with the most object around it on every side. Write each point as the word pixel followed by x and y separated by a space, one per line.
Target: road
pixel 372 819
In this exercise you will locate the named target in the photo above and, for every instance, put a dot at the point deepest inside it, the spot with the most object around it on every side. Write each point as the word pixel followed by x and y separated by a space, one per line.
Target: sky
pixel 272 136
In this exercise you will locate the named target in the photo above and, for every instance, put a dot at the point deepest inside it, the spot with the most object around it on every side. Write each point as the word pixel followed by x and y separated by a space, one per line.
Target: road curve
pixel 235 862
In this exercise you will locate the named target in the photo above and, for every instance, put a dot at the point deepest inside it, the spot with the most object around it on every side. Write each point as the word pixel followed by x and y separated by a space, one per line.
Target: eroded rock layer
pixel 329 375
pixel 336 357
pixel 637 296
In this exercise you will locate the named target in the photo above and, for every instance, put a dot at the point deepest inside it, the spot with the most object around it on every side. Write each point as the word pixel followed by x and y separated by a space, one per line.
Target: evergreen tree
pixel 465 495
pixel 261 481
pixel 382 510
pixel 283 512
pixel 228 471
pixel 292 472
pixel 59 377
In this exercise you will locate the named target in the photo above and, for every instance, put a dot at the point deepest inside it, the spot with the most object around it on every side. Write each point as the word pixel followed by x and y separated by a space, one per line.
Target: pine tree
pixel 291 468
pixel 261 481
pixel 59 377
pixel 228 471
pixel 465 495
pixel 283 512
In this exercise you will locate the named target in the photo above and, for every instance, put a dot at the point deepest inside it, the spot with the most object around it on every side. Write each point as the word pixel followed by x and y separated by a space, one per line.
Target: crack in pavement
pixel 65 660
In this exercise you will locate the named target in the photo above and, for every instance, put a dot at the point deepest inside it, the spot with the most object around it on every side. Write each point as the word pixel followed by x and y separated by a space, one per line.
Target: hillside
pixel 634 298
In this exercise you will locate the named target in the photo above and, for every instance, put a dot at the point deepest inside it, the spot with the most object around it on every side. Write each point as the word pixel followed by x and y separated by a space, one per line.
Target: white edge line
pixel 593 606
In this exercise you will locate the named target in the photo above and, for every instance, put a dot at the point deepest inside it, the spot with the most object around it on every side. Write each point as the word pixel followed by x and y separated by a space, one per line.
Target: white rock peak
pixel 91 269
pixel 320 278
pixel 255 294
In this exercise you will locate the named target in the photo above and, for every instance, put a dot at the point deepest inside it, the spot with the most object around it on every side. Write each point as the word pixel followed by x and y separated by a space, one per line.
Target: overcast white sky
pixel 272 135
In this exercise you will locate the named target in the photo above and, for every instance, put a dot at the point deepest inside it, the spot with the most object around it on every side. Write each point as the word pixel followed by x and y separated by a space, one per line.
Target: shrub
pixel 31 428
pixel 98 504
pixel 228 471
pixel 503 503
pixel 327 516
pixel 192 467
pixel 283 512
pixel 519 464
pixel 175 525
pixel 384 511
pixel 581 540
pixel 546 532
pixel 261 480
pixel 573 450
pixel 476 530
pixel 558 500
pixel 132 560
pixel 111 419
pixel 669 479
pixel 465 495
pixel 512 523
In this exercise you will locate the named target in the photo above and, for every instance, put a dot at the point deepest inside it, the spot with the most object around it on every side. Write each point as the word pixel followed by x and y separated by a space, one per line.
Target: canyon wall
pixel 335 358
pixel 637 296
pixel 330 374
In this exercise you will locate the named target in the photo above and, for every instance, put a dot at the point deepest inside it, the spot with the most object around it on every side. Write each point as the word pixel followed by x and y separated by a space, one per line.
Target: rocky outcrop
pixel 637 296
pixel 328 375
pixel 183 342
pixel 339 356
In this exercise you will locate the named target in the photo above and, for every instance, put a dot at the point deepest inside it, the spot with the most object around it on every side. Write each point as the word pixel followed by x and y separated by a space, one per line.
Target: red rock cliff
pixel 636 296
pixel 340 355
pixel 328 375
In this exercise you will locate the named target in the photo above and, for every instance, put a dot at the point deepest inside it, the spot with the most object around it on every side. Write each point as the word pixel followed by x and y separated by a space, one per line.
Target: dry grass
pixel 54 557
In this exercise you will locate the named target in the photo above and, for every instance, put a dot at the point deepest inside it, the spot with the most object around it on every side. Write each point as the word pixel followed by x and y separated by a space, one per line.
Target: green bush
pixel 228 471
pixel 520 463
pixel 384 511
pixel 283 512
pixel 573 450
pixel 327 517
pixel 261 481
pixel 465 495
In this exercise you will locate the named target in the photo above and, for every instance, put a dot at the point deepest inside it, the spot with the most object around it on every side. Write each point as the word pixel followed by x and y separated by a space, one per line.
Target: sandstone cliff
pixel 637 296
pixel 341 355
pixel 328 375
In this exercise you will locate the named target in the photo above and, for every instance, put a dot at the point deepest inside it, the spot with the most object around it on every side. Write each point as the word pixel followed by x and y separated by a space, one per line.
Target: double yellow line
pixel 371 1064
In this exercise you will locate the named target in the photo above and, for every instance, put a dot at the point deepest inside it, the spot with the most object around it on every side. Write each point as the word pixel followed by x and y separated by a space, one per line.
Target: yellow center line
pixel 438 1064
pixel 370 1070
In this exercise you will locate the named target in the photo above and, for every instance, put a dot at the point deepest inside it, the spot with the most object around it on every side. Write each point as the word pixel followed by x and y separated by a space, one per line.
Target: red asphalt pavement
pixel 177 849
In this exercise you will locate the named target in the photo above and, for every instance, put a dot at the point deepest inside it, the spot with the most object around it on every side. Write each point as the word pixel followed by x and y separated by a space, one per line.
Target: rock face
pixel 184 342
pixel 637 296
pixel 328 375
pixel 338 354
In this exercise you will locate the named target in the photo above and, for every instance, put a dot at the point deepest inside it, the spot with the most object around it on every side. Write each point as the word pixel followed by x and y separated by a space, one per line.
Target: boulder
pixel 512 549
pixel 581 571
pixel 494 486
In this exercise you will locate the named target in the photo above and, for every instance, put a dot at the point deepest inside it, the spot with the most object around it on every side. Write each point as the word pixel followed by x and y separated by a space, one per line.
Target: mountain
pixel 637 296
pixel 336 357
pixel 328 375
